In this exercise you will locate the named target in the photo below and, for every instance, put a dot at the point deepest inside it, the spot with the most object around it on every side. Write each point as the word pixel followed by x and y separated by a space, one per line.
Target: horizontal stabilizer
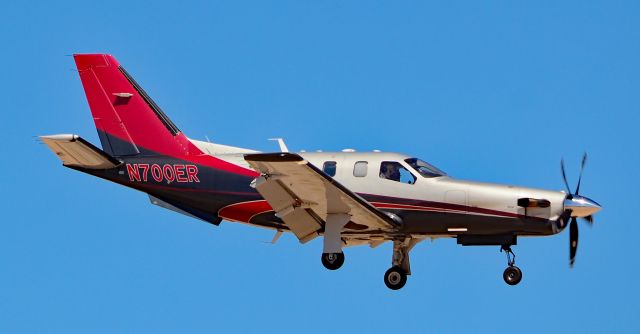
pixel 77 152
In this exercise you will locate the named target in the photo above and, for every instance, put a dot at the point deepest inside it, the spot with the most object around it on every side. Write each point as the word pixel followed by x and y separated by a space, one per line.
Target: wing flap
pixel 75 151
pixel 303 224
pixel 280 198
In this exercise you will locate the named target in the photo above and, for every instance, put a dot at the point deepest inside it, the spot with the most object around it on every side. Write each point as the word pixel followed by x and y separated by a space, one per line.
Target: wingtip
pixel 59 137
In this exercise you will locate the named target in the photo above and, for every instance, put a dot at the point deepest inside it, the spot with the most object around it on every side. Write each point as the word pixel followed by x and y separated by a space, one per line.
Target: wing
pixel 302 196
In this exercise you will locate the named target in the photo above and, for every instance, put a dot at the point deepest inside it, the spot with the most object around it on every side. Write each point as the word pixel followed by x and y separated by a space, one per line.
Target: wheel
pixel 395 278
pixel 332 261
pixel 512 275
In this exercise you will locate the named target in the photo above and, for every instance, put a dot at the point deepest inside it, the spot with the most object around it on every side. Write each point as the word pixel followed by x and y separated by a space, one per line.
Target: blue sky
pixel 496 91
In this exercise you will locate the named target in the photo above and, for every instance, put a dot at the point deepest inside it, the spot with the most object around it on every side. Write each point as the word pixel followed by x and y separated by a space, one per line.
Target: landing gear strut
pixel 396 277
pixel 512 275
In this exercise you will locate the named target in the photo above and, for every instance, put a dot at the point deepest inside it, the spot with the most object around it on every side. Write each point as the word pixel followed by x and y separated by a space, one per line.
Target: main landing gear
pixel 333 258
pixel 512 275
pixel 396 277
pixel 332 255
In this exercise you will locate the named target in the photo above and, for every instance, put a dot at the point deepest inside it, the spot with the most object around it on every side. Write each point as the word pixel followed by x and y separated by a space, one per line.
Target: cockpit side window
pixel 425 169
pixel 394 171
pixel 329 168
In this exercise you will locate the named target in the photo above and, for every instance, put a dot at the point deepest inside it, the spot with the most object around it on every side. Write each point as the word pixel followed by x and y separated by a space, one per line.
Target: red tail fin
pixel 127 119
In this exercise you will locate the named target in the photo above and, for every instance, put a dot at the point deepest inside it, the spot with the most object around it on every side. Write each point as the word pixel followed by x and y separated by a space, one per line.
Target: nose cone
pixel 581 206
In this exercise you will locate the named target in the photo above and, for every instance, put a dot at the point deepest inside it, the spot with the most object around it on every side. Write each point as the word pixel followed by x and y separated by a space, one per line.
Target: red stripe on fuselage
pixel 244 211
pixel 381 205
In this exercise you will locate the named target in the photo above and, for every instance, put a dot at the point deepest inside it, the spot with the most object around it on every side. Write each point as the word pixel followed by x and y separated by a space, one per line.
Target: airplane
pixel 347 198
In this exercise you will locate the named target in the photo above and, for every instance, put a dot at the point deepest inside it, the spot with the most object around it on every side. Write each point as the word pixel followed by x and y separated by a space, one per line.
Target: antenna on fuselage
pixel 283 146
pixel 275 239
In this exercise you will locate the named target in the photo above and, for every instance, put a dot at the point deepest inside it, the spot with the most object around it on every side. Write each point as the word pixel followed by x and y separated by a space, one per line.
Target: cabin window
pixel 394 171
pixel 329 168
pixel 360 169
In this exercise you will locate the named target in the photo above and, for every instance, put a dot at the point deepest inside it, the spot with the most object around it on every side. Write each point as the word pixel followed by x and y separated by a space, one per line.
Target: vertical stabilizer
pixel 128 121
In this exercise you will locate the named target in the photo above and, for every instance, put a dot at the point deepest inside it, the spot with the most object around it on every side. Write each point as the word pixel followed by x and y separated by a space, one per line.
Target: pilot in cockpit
pixel 390 171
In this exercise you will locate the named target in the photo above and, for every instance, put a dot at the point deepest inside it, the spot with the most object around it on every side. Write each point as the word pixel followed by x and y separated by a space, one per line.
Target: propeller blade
pixel 584 161
pixel 564 177
pixel 573 241
pixel 588 219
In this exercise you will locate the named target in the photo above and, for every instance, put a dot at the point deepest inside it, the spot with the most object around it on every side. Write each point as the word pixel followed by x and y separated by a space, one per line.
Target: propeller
pixel 577 202
pixel 564 176
pixel 573 241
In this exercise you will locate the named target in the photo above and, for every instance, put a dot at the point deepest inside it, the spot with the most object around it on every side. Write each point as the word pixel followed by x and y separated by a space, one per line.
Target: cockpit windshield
pixel 425 169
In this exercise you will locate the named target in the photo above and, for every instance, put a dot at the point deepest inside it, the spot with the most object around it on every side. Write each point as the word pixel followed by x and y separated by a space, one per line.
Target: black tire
pixel 332 261
pixel 512 275
pixel 395 278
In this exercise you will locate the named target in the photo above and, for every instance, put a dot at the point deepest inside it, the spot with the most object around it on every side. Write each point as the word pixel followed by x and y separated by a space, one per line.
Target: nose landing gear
pixel 512 275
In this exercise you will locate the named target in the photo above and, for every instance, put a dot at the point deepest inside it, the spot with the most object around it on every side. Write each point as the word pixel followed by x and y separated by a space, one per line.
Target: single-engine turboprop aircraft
pixel 348 198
